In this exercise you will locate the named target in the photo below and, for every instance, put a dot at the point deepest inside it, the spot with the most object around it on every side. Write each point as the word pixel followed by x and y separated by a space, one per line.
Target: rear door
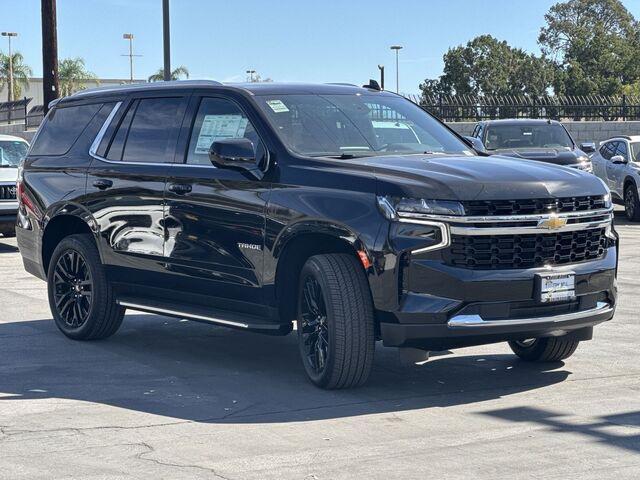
pixel 215 217
pixel 125 185
pixel 616 171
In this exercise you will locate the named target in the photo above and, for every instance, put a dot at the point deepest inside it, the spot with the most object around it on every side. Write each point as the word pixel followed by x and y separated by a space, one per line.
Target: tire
pixel 76 275
pixel 336 339
pixel 632 203
pixel 547 349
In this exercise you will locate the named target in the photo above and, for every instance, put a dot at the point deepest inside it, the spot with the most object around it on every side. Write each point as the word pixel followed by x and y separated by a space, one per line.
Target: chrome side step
pixel 476 321
pixel 198 316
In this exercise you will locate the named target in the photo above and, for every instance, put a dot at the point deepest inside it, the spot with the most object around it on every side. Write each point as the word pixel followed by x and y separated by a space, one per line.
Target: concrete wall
pixel 17 130
pixel 580 131
pixel 33 89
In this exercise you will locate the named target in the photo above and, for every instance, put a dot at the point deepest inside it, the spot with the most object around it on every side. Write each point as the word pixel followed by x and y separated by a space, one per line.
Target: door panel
pixel 125 187
pixel 215 218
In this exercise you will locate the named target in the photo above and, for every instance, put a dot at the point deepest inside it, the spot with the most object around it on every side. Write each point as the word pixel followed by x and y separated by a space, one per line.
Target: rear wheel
pixel 547 349
pixel 632 203
pixel 335 322
pixel 80 297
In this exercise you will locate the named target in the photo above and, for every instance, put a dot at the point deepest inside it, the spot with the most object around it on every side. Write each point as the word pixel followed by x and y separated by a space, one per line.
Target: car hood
pixel 478 178
pixel 8 174
pixel 558 156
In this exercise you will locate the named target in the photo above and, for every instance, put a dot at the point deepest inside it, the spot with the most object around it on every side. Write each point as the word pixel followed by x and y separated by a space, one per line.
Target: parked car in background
pixel 617 163
pixel 12 151
pixel 542 140
pixel 256 206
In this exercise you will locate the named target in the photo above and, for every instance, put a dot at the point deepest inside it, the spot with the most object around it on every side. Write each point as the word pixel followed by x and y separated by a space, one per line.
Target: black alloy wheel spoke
pixel 73 288
pixel 314 328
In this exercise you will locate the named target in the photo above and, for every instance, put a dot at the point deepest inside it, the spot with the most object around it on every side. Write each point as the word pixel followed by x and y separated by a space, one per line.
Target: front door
pixel 125 187
pixel 215 217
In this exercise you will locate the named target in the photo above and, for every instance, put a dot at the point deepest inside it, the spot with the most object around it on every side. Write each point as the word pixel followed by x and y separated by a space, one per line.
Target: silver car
pixel 617 163
pixel 12 151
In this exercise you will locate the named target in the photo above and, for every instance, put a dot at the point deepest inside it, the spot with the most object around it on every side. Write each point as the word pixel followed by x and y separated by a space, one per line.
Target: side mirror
pixel 476 143
pixel 588 147
pixel 234 153
pixel 618 159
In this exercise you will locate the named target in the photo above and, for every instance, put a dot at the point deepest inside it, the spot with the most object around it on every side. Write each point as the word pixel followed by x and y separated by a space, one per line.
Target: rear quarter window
pixel 62 127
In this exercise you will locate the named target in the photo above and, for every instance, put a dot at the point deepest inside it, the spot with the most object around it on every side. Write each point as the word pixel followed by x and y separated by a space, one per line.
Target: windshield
pixel 357 125
pixel 635 151
pixel 550 135
pixel 11 152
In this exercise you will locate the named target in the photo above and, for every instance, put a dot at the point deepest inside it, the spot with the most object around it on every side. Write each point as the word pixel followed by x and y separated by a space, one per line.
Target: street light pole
pixel 381 68
pixel 250 73
pixel 397 48
pixel 129 36
pixel 167 40
pixel 10 93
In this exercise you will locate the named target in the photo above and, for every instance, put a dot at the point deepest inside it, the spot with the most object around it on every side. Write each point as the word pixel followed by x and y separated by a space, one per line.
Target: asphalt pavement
pixel 174 399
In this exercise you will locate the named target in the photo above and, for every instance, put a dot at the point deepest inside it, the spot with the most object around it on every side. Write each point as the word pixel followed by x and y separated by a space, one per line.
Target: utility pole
pixel 129 36
pixel 166 35
pixel 397 48
pixel 10 93
pixel 381 68
pixel 50 81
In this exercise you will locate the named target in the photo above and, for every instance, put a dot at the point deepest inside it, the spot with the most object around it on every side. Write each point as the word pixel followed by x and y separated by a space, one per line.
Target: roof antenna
pixel 373 85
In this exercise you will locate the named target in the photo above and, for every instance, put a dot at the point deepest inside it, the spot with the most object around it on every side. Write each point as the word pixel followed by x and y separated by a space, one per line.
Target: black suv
pixel 542 140
pixel 348 210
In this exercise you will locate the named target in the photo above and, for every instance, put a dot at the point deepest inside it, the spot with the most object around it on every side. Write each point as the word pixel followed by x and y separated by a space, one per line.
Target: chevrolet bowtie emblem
pixel 552 223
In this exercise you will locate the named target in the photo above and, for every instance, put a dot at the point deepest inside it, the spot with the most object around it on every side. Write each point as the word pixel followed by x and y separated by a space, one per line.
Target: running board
pixel 217 317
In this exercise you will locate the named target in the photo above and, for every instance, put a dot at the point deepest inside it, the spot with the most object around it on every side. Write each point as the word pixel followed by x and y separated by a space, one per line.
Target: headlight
pixel 394 207
pixel 607 200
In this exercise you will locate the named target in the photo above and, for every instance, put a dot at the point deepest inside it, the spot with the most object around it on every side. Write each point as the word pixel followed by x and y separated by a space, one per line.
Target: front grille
pixel 480 208
pixel 497 252
pixel 7 192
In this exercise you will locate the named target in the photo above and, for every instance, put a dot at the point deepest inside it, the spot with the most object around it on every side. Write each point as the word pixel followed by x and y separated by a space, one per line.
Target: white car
pixel 12 151
pixel 617 163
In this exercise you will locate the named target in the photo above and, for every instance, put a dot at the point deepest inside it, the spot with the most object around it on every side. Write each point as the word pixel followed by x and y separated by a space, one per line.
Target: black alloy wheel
pixel 73 288
pixel 314 326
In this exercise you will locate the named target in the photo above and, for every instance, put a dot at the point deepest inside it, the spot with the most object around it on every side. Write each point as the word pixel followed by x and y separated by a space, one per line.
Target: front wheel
pixel 632 203
pixel 547 349
pixel 335 322
pixel 80 297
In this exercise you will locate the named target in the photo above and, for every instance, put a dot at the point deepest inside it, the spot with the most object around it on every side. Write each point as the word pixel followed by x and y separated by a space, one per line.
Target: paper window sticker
pixel 277 106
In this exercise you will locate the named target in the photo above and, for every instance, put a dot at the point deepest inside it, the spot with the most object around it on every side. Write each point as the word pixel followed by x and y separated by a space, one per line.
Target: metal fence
pixel 18 112
pixel 459 108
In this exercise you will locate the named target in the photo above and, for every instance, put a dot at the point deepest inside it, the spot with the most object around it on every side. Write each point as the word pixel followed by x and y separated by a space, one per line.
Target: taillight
pixel 22 196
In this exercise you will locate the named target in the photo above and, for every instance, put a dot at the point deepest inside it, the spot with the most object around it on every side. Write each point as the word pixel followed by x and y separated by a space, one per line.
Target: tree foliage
pixel 588 47
pixel 176 74
pixel 73 76
pixel 21 74
pixel 595 43
pixel 486 65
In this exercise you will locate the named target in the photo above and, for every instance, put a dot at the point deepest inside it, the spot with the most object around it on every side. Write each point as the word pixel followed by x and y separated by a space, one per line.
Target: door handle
pixel 180 188
pixel 103 184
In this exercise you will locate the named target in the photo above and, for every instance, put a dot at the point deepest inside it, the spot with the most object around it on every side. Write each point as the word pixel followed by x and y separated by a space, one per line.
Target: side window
pixel 62 127
pixel 608 150
pixel 219 119
pixel 479 135
pixel 148 131
pixel 622 150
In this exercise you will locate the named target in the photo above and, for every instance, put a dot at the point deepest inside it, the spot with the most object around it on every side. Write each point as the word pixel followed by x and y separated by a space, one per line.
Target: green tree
pixel 595 44
pixel 176 74
pixel 488 66
pixel 21 74
pixel 73 76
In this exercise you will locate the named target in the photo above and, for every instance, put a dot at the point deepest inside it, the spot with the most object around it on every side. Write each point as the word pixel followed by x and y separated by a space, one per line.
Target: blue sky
pixel 287 40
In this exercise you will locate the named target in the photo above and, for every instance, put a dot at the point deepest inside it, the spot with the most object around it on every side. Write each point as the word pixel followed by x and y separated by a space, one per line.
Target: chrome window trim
pixel 444 233
pixel 93 149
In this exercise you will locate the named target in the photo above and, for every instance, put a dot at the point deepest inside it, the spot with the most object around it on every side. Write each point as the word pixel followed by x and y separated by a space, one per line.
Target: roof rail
pixel 145 85
pixel 342 84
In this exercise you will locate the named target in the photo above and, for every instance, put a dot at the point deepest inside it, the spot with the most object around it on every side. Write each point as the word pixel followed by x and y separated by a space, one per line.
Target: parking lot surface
pixel 166 398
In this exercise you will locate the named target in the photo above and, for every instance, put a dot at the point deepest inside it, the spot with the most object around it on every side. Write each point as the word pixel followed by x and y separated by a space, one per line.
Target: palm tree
pixel 73 75
pixel 21 74
pixel 175 74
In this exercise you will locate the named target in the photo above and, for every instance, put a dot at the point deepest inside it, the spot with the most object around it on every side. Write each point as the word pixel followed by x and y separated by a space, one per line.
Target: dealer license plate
pixel 557 287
